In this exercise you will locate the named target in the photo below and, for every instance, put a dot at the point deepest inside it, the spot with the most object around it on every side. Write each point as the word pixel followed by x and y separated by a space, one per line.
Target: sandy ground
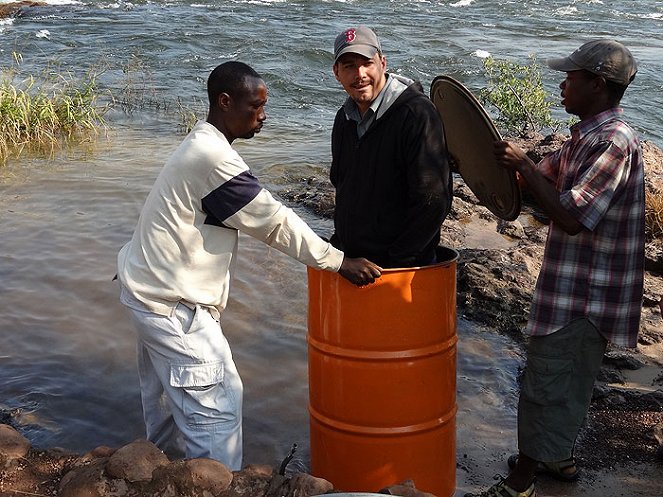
pixel 616 449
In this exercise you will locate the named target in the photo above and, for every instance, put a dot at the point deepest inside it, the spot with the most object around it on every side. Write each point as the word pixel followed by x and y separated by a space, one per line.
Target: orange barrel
pixel 382 378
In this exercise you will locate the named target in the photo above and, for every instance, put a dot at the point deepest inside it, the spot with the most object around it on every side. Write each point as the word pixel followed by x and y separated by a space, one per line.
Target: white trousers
pixel 190 388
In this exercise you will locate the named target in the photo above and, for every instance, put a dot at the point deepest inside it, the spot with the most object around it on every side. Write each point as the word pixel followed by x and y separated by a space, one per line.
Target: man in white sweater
pixel 175 272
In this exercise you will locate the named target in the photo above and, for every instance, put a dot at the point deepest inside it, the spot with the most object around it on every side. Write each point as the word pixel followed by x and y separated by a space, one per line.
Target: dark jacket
pixel 393 186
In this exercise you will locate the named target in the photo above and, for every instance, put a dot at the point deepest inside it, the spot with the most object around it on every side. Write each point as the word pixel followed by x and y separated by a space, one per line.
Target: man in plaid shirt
pixel 589 290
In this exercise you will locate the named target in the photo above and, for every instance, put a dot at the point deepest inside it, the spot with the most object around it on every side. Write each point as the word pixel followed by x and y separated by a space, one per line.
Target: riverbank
pixel 496 273
pixel 497 270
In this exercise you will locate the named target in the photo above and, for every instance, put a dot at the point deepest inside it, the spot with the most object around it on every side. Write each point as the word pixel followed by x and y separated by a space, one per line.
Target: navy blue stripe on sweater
pixel 230 197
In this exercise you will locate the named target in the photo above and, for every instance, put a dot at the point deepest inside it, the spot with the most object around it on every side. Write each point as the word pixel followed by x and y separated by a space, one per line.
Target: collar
pixel 588 125
pixel 392 88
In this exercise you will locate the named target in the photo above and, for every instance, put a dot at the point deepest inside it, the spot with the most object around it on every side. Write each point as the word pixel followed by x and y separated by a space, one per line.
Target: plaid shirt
pixel 598 273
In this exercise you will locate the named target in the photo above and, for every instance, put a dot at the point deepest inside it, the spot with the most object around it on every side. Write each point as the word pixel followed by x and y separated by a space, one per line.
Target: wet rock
pixel 600 392
pixel 621 360
pixel 608 375
pixel 495 287
pixel 136 461
pixel 304 484
pixel 191 478
pixel 262 470
pixel 13 445
pixel 17 9
pixel 252 481
pixel 658 455
pixel 98 452
pixel 89 481
pixel 616 399
pixel 514 229
pixel 278 486
pixel 658 380
pixel 316 193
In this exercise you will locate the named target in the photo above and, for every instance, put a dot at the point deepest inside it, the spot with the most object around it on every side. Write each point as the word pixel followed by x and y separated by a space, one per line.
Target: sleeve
pixel 429 183
pixel 241 203
pixel 598 180
pixel 549 166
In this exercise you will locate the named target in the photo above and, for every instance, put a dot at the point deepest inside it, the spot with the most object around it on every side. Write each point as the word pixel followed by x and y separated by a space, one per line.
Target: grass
pixel 44 112
pixel 138 93
pixel 56 108
pixel 654 215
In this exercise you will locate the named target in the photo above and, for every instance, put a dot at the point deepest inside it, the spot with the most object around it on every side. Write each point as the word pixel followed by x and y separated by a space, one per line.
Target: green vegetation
pixel 43 113
pixel 517 94
pixel 56 108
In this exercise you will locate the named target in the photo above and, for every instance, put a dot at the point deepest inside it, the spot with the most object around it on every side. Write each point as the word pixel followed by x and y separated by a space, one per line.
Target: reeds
pixel 44 112
pixel 654 215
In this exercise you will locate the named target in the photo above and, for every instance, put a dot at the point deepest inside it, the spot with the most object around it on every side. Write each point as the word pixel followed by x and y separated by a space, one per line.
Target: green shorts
pixel 557 388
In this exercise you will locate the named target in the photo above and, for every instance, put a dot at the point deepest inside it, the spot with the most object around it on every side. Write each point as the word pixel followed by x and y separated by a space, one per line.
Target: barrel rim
pixel 450 257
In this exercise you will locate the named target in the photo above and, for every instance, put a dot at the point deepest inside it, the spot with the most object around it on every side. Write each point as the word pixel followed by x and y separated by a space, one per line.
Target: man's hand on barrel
pixel 359 271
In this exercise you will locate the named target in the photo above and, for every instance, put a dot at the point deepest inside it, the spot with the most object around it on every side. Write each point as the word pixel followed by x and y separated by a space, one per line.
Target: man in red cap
pixel 389 160
pixel 589 290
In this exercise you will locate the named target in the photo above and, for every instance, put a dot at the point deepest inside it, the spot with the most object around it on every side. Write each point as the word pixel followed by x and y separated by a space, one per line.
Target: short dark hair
pixel 229 78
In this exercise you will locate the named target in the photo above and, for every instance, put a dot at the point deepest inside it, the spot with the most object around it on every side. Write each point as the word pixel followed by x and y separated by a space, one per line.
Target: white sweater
pixel 185 243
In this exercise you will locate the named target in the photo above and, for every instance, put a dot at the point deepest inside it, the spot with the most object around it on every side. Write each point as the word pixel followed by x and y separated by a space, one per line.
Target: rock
pixel 261 470
pixel 658 455
pixel 13 445
pixel 304 484
pixel 16 9
pixel 658 381
pixel 600 392
pixel 136 461
pixel 191 478
pixel 404 489
pixel 87 481
pixel 99 452
pixel 463 192
pixel 652 156
pixel 252 481
pixel 607 375
pixel 658 433
pixel 538 146
pixel 315 193
pixel 494 289
pixel 278 486
pixel 654 256
pixel 514 229
pixel 621 360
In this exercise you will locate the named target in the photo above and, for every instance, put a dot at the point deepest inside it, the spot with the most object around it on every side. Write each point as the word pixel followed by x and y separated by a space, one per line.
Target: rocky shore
pixel 140 469
pixel 497 270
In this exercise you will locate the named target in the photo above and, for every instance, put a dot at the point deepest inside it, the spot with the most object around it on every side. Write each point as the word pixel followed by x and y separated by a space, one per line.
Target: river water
pixel 67 362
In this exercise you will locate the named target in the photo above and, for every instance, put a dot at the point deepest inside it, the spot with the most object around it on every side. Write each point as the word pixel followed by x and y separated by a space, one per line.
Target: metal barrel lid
pixel 470 135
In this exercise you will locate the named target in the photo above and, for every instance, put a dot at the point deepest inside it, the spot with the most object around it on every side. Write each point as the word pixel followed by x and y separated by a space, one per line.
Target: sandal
pixel 558 470
pixel 501 489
